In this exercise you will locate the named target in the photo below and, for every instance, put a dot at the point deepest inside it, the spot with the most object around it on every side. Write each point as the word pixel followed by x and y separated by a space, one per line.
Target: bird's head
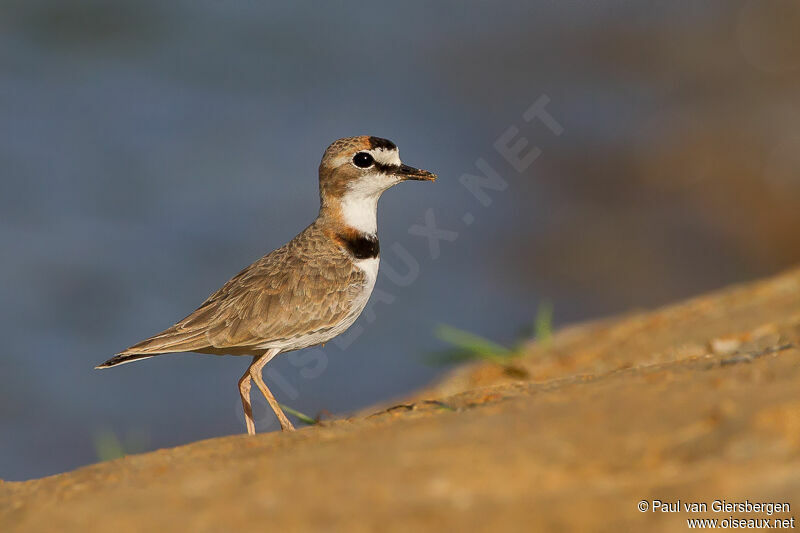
pixel 355 171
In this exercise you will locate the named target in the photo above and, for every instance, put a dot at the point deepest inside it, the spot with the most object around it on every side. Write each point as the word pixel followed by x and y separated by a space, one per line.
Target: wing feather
pixel 303 287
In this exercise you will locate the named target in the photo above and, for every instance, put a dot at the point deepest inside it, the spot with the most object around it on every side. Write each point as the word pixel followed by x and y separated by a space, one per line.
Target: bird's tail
pixel 122 359
pixel 171 340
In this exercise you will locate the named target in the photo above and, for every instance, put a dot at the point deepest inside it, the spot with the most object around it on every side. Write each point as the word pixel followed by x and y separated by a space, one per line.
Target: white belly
pixel 370 268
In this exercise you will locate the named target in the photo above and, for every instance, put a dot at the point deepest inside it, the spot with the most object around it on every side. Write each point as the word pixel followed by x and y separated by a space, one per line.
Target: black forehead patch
pixel 377 142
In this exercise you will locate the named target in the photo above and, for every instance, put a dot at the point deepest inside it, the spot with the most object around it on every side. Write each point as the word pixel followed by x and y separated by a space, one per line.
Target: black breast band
pixel 361 245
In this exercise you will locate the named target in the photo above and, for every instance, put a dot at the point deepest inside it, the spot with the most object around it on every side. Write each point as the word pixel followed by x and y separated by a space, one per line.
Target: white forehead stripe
pixel 386 157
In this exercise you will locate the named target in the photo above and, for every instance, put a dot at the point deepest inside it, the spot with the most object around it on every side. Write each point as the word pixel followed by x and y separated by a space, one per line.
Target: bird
pixel 306 292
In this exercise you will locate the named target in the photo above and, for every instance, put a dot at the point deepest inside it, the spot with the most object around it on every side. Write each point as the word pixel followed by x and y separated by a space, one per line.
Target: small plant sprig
pixel 469 346
pixel 109 445
pixel 302 417
pixel 543 323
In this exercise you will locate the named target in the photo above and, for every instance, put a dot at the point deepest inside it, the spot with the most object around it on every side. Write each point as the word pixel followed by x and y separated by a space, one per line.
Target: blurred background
pixel 150 150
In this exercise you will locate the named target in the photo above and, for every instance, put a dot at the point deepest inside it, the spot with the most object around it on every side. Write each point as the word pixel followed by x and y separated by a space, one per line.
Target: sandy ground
pixel 694 402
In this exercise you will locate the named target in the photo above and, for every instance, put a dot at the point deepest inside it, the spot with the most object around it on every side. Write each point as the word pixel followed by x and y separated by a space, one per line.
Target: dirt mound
pixel 695 402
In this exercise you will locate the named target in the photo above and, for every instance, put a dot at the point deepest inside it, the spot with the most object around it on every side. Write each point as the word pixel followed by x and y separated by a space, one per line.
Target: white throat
pixel 360 211
pixel 359 203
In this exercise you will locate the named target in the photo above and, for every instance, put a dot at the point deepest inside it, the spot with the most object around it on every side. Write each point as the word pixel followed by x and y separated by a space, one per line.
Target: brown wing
pixel 302 287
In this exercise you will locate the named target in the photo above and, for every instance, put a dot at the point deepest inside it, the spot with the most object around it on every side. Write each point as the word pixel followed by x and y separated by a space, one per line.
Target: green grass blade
pixel 107 445
pixel 543 325
pixel 300 416
pixel 474 345
pixel 451 356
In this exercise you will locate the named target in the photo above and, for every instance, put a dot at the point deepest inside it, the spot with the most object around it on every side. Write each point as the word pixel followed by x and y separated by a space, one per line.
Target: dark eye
pixel 363 160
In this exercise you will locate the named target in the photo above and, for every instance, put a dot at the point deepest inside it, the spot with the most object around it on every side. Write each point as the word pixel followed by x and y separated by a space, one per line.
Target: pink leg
pixel 244 392
pixel 255 373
